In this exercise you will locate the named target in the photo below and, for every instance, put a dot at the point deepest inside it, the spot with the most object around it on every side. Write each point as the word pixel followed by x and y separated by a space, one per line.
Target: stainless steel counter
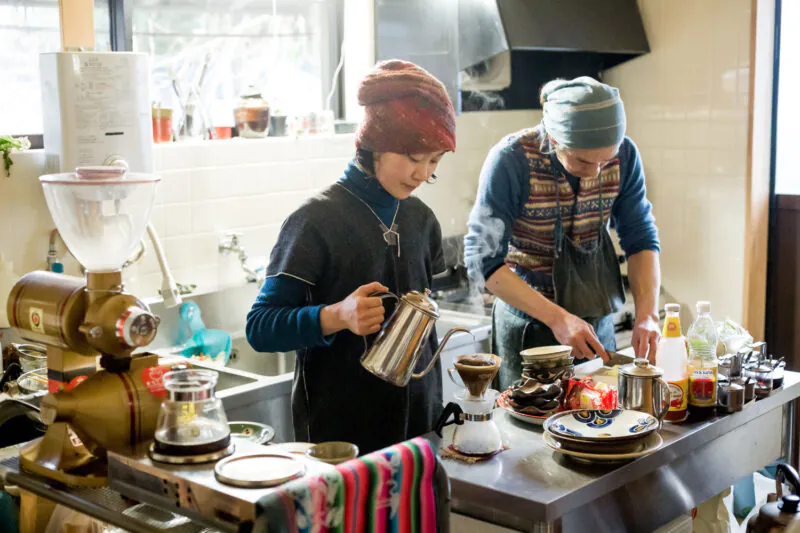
pixel 531 488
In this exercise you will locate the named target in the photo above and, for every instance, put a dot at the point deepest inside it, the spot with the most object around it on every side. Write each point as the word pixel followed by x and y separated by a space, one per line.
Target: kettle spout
pixel 439 350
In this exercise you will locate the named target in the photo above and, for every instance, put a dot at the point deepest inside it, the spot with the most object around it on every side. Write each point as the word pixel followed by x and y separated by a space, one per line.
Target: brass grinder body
pixel 112 409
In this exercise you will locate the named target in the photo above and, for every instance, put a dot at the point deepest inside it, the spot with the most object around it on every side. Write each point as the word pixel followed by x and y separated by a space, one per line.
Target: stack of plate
pixel 547 364
pixel 599 436
pixel 538 394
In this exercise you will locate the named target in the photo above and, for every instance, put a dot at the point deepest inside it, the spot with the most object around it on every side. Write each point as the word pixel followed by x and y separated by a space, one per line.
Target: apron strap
pixel 559 229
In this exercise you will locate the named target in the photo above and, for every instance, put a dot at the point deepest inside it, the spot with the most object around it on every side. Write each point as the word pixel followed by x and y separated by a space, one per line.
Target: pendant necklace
pixel 390 235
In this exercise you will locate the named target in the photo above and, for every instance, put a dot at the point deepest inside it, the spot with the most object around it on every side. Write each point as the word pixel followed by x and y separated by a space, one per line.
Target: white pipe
pixel 169 289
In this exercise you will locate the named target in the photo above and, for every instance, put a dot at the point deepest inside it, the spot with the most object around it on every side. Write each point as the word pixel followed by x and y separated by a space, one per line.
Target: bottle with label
pixel 703 363
pixel 672 358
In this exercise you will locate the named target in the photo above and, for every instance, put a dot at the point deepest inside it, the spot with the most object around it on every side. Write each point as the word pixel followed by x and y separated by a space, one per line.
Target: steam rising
pixel 484 240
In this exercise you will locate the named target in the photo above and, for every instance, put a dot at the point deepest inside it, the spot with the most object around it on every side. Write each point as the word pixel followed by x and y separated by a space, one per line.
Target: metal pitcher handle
pixel 666 396
pixel 439 351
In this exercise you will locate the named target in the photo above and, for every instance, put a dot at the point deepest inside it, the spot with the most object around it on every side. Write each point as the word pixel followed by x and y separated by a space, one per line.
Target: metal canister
pixel 730 396
pixel 641 388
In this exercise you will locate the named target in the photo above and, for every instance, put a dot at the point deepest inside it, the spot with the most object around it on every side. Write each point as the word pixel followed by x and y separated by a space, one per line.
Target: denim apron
pixel 587 284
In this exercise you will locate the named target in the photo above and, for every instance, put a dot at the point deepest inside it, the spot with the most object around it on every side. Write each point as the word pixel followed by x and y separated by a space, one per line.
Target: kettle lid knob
pixel 789 504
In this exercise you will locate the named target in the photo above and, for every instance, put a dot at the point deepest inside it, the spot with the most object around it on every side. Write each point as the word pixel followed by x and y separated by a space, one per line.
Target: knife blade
pixel 616 358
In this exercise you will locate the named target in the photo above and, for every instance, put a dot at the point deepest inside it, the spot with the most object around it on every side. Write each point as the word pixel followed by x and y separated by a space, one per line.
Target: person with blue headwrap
pixel 538 233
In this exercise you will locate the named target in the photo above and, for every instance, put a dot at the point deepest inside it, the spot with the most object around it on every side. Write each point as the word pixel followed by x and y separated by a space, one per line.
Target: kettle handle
pixel 786 473
pixel 439 351
pixel 384 295
pixel 666 400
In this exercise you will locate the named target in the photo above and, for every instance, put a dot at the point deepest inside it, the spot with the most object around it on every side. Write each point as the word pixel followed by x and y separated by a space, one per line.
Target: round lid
pixel 260 470
pixel 703 307
pixel 251 92
pixel 641 368
pixel 732 387
pixel 423 302
pixel 789 503
pixel 672 308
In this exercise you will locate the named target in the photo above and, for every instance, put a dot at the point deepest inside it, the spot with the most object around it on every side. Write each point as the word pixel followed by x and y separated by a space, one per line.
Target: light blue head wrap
pixel 583 113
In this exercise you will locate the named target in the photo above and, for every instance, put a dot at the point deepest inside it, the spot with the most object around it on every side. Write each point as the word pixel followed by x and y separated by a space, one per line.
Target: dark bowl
pixel 550 375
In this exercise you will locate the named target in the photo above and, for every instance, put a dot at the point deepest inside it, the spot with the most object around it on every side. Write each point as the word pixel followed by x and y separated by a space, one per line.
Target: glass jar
pixel 162 125
pixel 252 115
pixel 192 420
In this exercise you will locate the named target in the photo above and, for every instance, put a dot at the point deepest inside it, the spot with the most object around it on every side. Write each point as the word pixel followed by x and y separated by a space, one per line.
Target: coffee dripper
pixel 476 432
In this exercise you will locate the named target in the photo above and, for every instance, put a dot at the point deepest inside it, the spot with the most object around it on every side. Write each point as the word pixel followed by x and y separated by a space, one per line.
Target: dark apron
pixel 336 399
pixel 587 283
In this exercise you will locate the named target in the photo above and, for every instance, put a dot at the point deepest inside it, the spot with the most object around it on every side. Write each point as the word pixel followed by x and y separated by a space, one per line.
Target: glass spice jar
pixel 252 114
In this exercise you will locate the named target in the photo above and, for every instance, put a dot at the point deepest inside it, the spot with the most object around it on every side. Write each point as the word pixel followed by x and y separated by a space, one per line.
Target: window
pixel 282 47
pixel 28 28
pixel 787 178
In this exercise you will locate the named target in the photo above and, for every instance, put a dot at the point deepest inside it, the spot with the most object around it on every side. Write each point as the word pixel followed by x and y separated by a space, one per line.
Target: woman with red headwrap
pixel 364 234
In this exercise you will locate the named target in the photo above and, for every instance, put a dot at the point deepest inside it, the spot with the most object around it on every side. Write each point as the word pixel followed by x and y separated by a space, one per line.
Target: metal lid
pixel 259 470
pixel 423 302
pixel 641 368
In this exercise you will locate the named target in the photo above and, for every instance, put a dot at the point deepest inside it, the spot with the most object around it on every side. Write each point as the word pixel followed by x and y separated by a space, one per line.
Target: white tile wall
pixel 687 104
pixel 246 186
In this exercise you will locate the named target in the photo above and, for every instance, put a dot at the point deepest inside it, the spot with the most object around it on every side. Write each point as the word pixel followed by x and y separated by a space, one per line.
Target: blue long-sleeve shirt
pixel 280 319
pixel 504 189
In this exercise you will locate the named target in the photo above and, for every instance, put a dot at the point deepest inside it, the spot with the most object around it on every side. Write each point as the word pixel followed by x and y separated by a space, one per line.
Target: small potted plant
pixel 10 144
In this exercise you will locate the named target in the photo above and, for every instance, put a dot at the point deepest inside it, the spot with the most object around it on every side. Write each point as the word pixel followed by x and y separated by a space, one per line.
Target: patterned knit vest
pixel 530 252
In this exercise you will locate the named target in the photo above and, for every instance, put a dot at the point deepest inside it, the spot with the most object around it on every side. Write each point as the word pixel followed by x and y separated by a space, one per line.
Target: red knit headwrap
pixel 408 111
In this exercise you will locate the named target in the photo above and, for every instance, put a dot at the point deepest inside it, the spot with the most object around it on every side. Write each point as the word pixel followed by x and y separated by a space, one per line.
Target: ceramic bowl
pixel 252 431
pixel 333 453
pixel 549 375
pixel 602 425
pixel 545 353
pixel 550 363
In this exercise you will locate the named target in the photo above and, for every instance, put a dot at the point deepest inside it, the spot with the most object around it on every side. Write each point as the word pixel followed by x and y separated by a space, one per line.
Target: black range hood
pixel 546 39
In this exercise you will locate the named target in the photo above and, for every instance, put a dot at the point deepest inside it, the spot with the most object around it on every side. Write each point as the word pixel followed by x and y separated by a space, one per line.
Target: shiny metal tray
pixel 102 504
pixel 194 490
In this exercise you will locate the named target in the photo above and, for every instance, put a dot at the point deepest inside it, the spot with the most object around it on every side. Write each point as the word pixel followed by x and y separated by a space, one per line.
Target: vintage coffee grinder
pixel 102 214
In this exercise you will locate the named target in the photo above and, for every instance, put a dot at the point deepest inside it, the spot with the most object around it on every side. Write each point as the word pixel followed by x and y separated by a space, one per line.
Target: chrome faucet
pixel 230 244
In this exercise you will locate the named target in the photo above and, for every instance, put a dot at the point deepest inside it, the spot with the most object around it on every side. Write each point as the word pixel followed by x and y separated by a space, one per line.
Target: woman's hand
pixel 359 312
pixel 570 330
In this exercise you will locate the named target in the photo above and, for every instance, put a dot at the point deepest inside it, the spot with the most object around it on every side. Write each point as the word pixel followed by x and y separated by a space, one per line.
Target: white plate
pixel 649 445
pixel 502 402
pixel 601 425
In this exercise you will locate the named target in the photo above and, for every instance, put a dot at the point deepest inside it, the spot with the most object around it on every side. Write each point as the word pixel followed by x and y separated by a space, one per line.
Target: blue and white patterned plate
pixel 602 425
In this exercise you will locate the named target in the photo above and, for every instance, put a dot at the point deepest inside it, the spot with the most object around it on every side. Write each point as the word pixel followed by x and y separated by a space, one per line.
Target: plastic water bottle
pixel 673 360
pixel 702 341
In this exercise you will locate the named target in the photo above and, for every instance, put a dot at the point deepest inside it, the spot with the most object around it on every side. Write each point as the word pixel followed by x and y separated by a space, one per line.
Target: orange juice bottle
pixel 672 359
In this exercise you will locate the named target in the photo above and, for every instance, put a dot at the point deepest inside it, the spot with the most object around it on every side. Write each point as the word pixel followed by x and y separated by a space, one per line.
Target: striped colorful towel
pixel 389 491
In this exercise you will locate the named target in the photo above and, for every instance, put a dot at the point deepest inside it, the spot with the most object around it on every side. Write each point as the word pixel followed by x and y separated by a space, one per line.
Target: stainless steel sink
pixel 227 380
pixel 243 357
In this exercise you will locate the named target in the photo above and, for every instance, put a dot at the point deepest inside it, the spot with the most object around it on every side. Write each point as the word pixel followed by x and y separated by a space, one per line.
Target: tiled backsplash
pixel 687 104
pixel 246 186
